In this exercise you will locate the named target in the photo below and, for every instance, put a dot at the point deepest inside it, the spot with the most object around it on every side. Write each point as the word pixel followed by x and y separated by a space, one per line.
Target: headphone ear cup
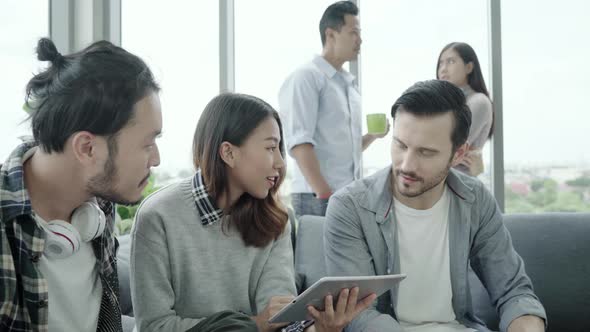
pixel 89 220
pixel 62 239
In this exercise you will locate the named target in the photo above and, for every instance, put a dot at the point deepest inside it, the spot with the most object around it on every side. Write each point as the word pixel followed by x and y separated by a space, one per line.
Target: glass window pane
pixel 271 46
pixel 546 113
pixel 179 41
pixel 19 61
pixel 401 44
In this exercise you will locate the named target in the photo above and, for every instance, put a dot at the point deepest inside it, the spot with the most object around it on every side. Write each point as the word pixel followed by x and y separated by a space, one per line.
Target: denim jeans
pixel 308 204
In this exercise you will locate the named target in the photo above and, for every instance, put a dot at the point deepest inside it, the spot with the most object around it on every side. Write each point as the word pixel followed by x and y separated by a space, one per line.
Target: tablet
pixel 314 295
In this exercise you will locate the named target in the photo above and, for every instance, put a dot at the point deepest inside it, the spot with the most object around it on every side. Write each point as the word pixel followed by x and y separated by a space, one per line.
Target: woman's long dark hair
pixel 232 118
pixel 475 78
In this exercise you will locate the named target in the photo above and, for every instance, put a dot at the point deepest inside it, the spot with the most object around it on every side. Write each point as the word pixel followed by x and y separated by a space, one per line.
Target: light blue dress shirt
pixel 322 106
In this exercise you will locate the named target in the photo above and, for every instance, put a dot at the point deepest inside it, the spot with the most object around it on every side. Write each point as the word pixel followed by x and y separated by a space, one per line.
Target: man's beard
pixel 102 185
pixel 425 187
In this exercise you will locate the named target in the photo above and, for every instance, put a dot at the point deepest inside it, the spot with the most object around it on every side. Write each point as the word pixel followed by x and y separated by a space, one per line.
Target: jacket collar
pixel 377 196
pixel 14 198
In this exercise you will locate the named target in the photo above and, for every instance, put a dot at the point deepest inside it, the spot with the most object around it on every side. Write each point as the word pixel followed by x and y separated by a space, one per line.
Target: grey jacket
pixel 361 239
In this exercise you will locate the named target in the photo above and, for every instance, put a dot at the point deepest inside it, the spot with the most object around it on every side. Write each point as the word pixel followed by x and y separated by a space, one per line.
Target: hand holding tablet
pixel 335 317
pixel 329 290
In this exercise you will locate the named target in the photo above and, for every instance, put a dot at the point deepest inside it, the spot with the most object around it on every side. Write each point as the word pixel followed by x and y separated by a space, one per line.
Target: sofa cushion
pixel 555 248
pixel 310 265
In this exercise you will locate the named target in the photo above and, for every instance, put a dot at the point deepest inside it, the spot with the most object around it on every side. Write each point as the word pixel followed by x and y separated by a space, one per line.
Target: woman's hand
pixel 473 160
pixel 347 308
pixel 467 160
pixel 275 304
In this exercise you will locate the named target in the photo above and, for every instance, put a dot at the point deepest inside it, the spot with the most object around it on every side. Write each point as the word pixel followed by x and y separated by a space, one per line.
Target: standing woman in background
pixel 458 64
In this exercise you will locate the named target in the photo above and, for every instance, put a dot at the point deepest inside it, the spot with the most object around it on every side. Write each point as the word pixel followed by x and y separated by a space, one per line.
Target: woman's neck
pixel 228 198
pixel 467 89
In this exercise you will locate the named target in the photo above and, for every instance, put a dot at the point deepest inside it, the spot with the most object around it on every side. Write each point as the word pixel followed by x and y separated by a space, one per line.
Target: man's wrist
pixel 527 323
pixel 324 195
pixel 370 137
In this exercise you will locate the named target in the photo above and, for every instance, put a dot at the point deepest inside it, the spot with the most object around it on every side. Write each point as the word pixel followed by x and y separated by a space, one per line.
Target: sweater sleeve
pixel 481 120
pixel 151 286
pixel 277 277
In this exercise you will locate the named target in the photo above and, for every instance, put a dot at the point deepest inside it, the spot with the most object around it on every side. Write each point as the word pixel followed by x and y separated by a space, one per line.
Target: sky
pixel 545 75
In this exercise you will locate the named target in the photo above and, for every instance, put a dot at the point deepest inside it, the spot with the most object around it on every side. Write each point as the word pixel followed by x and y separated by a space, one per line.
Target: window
pixel 19 62
pixel 180 44
pixel 546 113
pixel 401 44
pixel 270 47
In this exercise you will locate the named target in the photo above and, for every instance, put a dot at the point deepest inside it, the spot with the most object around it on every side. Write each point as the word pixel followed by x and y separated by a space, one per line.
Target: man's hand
pixel 385 133
pixel 370 138
pixel 527 323
pixel 307 161
pixel 275 304
pixel 323 195
pixel 347 308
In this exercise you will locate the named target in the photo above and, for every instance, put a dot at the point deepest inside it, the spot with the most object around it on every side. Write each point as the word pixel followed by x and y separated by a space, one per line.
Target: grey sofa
pixel 554 246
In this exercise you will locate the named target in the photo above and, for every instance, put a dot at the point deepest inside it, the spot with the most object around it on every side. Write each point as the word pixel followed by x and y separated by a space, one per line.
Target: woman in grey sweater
pixel 213 252
pixel 458 64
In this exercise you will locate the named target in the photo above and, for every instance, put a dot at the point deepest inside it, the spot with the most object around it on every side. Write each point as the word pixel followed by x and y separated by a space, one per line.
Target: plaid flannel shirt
pixel 23 290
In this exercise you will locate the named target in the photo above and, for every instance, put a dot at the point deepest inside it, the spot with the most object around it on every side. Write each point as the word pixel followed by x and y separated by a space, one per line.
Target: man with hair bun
pixel 95 116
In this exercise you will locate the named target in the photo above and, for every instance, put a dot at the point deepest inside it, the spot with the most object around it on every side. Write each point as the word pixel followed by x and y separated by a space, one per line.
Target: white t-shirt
pixel 425 297
pixel 74 286
pixel 75 289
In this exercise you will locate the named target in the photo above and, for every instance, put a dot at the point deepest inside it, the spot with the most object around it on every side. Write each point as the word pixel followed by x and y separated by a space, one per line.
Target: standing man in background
pixel 320 105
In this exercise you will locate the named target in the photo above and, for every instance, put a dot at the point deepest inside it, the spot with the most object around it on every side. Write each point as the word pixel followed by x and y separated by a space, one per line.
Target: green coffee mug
pixel 376 123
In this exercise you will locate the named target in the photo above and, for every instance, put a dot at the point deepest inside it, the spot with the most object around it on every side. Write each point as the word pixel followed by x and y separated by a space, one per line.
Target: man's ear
pixel 329 34
pixel 84 147
pixel 227 152
pixel 459 154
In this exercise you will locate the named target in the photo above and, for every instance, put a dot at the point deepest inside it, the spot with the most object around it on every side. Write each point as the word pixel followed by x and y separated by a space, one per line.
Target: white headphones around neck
pixel 64 239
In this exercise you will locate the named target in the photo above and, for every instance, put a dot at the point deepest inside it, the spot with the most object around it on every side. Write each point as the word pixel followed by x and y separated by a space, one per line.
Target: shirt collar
pixel 378 198
pixel 324 66
pixel 15 201
pixel 208 210
pixel 329 70
pixel 14 198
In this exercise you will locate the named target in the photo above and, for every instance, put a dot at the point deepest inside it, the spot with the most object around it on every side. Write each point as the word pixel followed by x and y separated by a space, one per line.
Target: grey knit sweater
pixel 182 271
